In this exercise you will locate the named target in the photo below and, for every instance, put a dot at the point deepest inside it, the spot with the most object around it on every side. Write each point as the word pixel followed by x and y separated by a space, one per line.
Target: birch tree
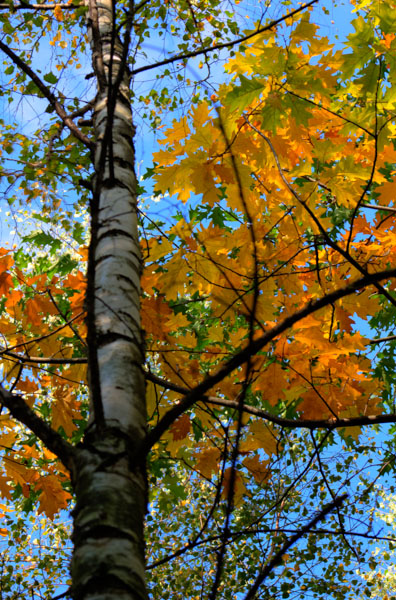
pixel 247 302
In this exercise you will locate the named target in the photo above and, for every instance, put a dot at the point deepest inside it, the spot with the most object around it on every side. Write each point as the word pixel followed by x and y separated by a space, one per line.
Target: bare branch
pixel 47 360
pixel 330 424
pixel 345 253
pixel 63 595
pixel 331 112
pixel 66 320
pixel 258 531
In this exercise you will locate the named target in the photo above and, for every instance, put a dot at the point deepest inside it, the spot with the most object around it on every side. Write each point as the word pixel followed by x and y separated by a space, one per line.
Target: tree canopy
pixel 198 360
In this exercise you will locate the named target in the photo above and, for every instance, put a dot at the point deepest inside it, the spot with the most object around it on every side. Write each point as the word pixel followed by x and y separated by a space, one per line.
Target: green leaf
pixel 241 96
pixel 50 78
pixel 42 239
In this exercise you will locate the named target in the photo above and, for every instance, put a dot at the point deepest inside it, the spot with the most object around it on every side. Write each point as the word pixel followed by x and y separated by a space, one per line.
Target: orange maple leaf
pixel 181 428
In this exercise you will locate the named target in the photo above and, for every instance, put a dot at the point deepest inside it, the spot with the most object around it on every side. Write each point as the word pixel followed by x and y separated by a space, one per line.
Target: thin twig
pixel 241 357
pixel 311 424
pixel 47 360
pixel 28 6
pixel 50 96
pixel 216 47
pixel 277 558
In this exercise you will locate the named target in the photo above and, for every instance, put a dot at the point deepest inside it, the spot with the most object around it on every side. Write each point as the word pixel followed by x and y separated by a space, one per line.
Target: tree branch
pixel 259 531
pixel 277 557
pixel 48 95
pixel 379 207
pixel 197 393
pixel 230 44
pixel 64 317
pixel 27 6
pixel 168 385
pixel 388 338
pixel 331 112
pixel 43 359
pixel 26 343
pixel 330 424
pixel 345 253
pixel 51 438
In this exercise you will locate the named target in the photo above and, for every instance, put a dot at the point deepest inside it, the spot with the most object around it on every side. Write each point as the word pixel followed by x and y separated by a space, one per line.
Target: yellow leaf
pixel 158 250
pixel 64 410
pixel 208 461
pixel 5 489
pixel 215 333
pixel 260 436
pixel 154 311
pixel 5 283
pixel 178 131
pixel 179 320
pixel 58 12
pixel 272 383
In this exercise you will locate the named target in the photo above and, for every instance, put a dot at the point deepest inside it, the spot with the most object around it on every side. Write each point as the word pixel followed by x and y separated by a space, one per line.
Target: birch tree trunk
pixel 109 479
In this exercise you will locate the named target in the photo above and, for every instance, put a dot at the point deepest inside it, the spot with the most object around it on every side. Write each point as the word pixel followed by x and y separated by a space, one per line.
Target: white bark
pixel 117 256
pixel 108 561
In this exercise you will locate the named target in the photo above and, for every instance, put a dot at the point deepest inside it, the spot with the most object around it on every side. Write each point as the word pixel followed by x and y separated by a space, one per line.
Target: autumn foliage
pixel 264 305
pixel 284 176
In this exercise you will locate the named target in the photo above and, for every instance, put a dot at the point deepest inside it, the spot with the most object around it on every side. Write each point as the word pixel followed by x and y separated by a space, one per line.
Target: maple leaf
pixel 208 461
pixel 6 282
pixel 239 97
pixel 17 472
pixel 53 497
pixel 58 13
pixel 65 408
pixel 181 428
pixel 258 468
pixel 239 489
pixel 261 436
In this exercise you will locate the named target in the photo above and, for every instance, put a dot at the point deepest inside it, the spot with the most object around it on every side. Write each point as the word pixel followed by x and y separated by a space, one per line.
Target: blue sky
pixel 334 20
pixel 336 25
